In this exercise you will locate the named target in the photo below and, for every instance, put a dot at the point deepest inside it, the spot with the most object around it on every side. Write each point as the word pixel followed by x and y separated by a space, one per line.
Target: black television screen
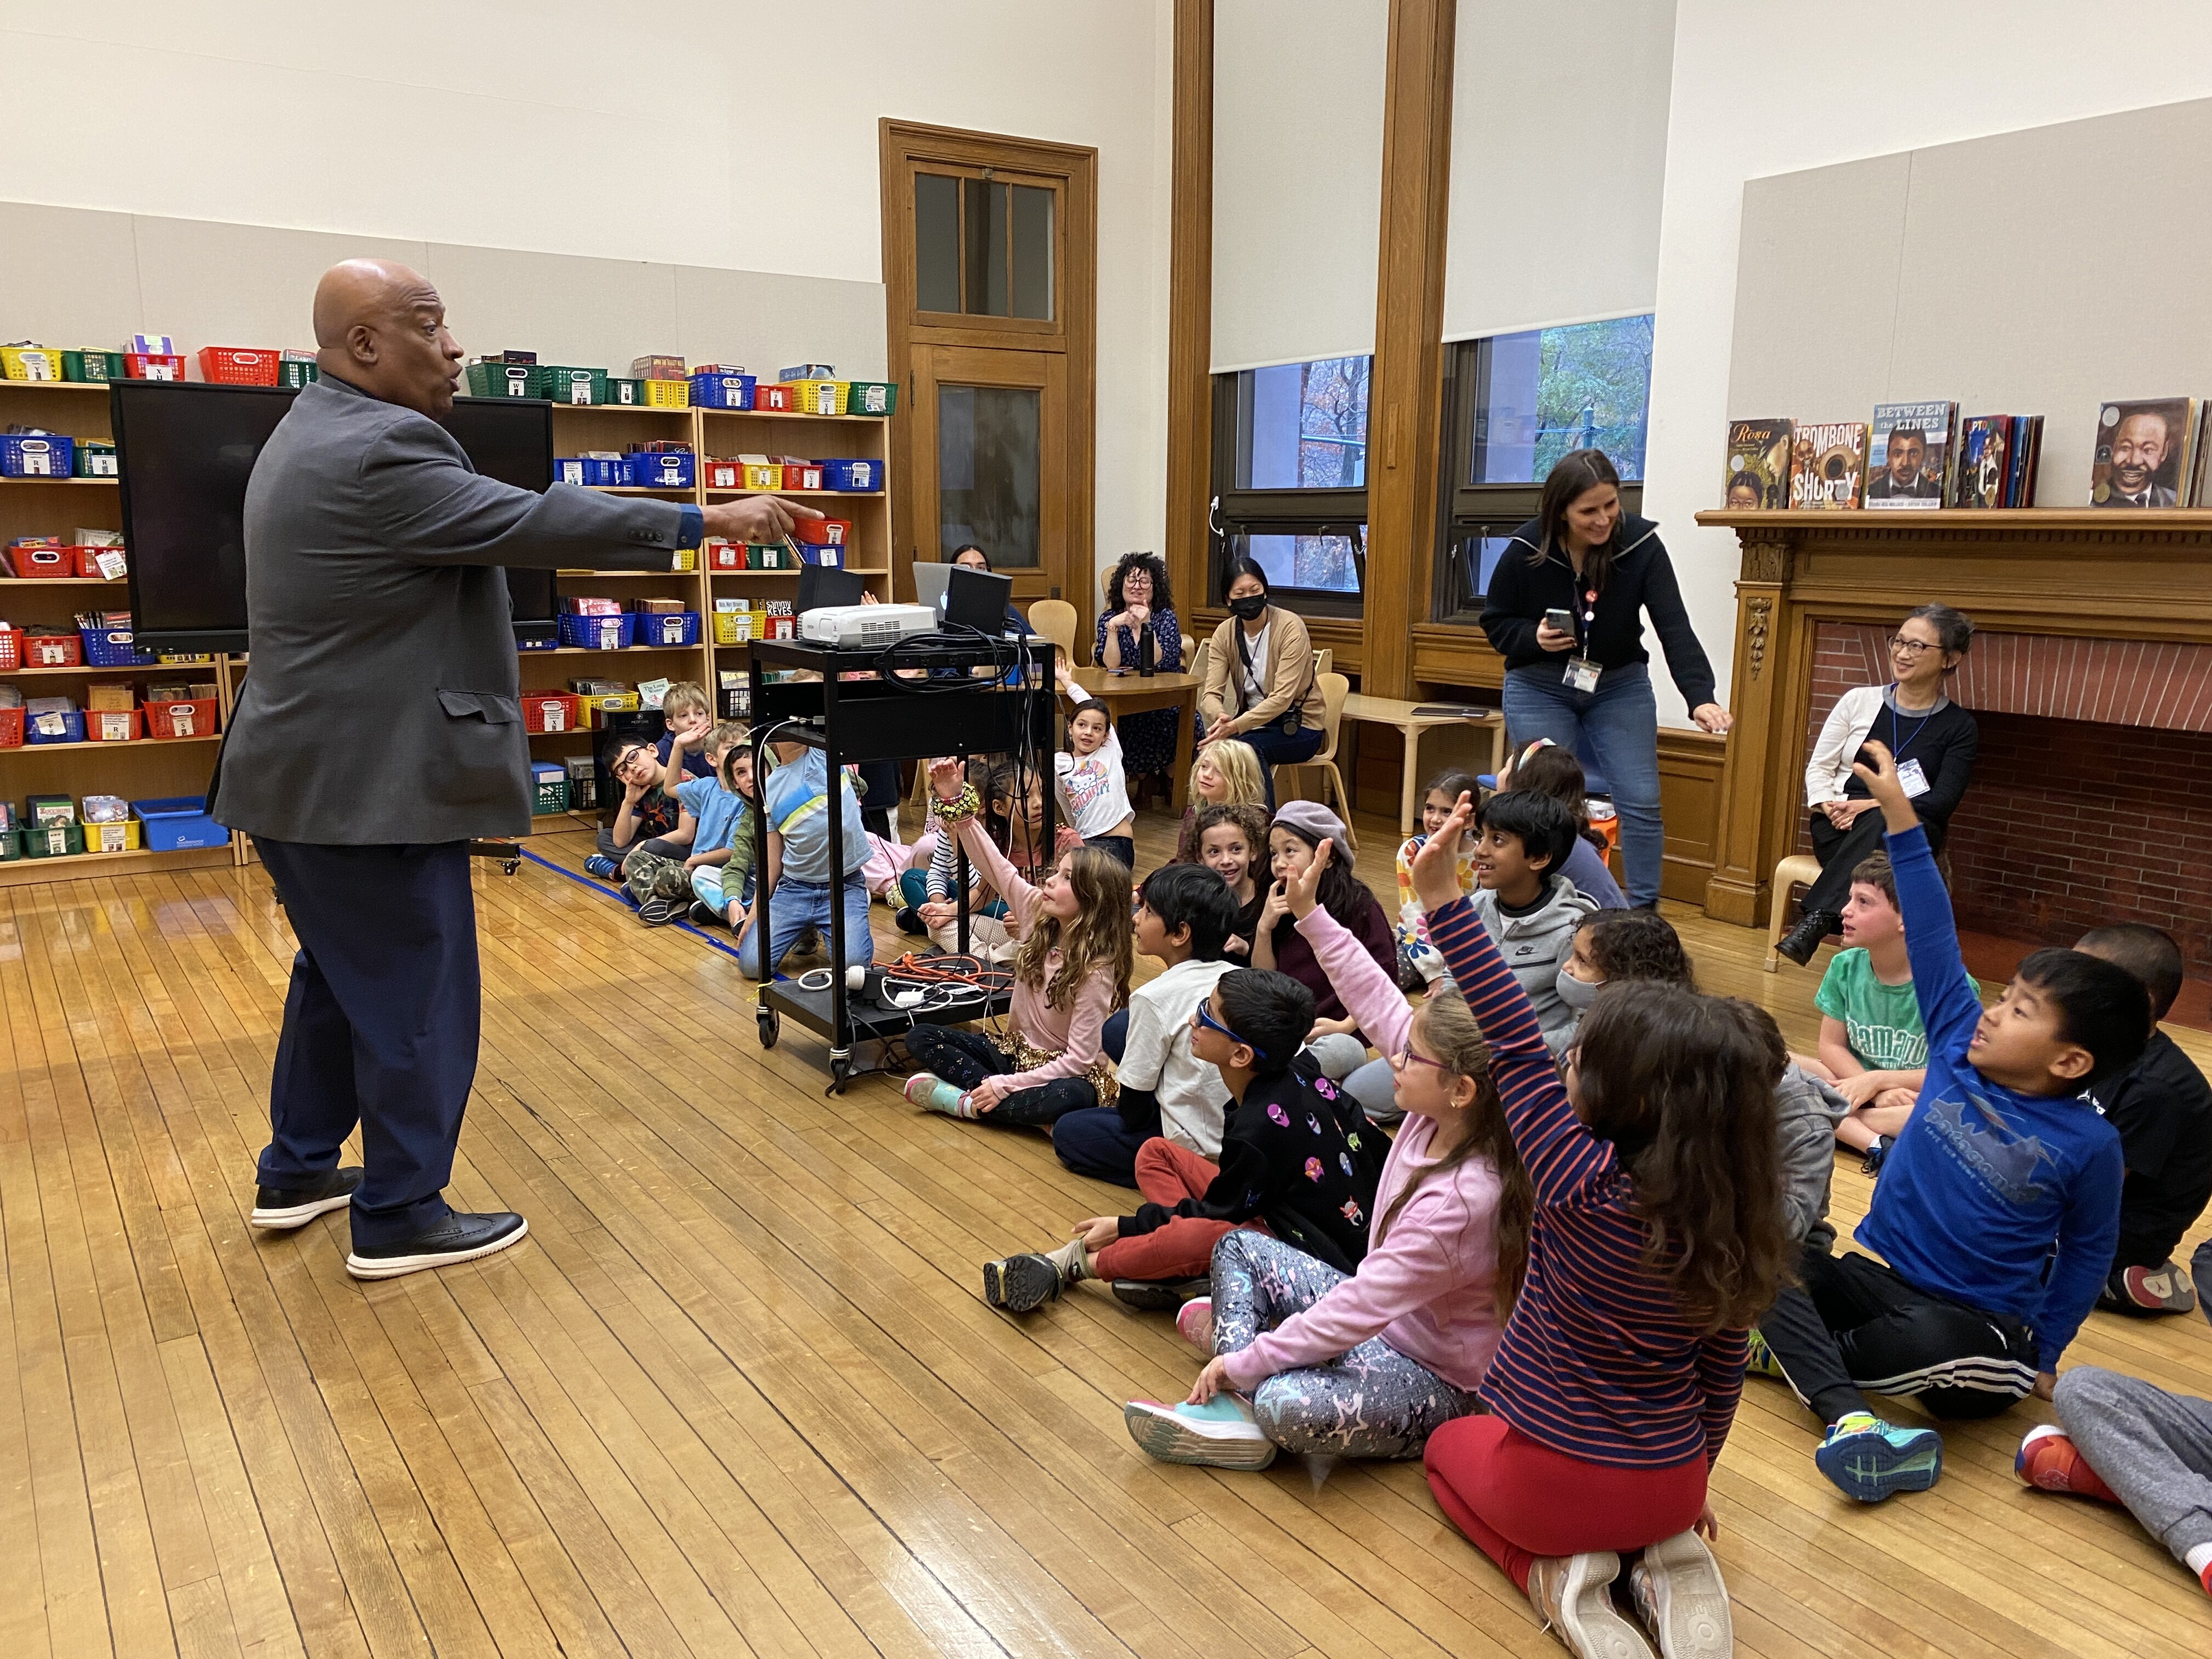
pixel 184 450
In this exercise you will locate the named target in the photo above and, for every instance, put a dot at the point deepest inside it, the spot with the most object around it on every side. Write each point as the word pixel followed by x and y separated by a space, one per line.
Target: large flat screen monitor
pixel 184 450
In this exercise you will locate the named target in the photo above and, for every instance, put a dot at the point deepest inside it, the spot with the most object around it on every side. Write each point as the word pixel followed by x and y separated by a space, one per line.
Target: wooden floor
pixel 739 1391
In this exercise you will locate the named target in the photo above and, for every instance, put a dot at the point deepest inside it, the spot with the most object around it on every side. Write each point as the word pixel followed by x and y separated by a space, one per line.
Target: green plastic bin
pixel 58 842
pixel 504 381
pixel 578 386
pixel 296 372
pixel 871 398
pixel 93 458
pixel 627 394
pixel 11 845
pixel 92 366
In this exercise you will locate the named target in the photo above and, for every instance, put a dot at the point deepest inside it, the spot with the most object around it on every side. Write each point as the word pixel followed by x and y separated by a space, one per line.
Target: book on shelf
pixel 2026 451
pixel 1984 466
pixel 1828 466
pixel 1758 471
pixel 2145 454
pixel 1909 454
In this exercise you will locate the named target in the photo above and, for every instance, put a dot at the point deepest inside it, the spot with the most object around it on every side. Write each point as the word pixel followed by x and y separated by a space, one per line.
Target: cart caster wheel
pixel 841 1073
pixel 768 1026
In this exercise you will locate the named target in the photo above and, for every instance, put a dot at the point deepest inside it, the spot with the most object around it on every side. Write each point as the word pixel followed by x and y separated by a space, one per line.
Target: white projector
pixel 866 624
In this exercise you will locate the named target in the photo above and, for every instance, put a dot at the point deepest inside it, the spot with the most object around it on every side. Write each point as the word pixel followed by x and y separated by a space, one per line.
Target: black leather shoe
pixel 279 1208
pixel 1801 941
pixel 1158 1295
pixel 459 1237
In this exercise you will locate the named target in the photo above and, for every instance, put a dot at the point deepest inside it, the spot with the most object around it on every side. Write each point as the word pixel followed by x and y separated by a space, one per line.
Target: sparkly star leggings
pixel 1369 1402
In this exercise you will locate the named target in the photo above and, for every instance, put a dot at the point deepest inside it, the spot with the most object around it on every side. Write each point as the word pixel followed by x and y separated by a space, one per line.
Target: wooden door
pixel 991 463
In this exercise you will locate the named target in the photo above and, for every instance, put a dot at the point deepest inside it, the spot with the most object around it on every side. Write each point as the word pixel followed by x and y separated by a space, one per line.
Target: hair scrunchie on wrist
pixel 962 807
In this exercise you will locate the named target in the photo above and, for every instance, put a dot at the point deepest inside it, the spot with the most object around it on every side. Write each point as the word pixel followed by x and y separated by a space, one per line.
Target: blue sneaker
pixel 1760 1360
pixel 601 866
pixel 1222 1433
pixel 1869 1459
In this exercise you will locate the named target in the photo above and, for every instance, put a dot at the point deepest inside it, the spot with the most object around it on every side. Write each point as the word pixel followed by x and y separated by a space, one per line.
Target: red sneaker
pixel 2164 1288
pixel 2049 1461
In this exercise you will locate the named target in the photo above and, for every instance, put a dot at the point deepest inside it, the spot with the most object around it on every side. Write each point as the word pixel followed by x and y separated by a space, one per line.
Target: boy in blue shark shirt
pixel 799 884
pixel 2002 1172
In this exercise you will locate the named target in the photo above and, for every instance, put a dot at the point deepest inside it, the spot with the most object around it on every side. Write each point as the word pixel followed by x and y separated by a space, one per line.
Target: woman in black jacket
pixel 1583 563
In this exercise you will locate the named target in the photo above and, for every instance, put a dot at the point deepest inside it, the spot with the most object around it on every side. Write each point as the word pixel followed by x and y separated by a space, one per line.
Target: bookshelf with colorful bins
pixel 717 434
pixel 138 768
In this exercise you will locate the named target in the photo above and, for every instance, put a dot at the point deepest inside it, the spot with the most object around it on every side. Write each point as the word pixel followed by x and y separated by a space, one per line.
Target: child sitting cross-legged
pixel 1524 897
pixel 2163 1110
pixel 1225 774
pixel 1295 1155
pixel 1301 1356
pixel 721 865
pixel 1184 914
pixel 1658 1232
pixel 1549 769
pixel 1299 831
pixel 646 815
pixel 1070 966
pixel 1093 791
pixel 1232 842
pixel 802 888
pixel 1998 1205
pixel 1873 1047
pixel 1013 802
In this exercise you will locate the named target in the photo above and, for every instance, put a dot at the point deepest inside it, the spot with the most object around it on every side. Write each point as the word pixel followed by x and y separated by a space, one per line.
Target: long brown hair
pixel 1551 770
pixel 1575 473
pixel 1448 1026
pixel 1099 936
pixel 1683 1085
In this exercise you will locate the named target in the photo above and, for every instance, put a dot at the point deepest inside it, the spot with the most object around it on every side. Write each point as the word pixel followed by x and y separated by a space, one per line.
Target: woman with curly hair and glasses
pixel 1138 603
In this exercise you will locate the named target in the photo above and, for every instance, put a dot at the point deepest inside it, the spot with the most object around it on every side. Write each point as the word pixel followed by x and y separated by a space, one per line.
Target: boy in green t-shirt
pixel 1872 1046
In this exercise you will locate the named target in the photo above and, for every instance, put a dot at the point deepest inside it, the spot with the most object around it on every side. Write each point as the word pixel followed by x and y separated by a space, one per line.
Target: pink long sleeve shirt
pixel 1071 1035
pixel 1429 1285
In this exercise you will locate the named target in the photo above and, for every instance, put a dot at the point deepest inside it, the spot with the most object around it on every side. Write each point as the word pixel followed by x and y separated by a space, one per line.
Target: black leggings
pixel 963 1059
pixel 1841 851
pixel 1857 1325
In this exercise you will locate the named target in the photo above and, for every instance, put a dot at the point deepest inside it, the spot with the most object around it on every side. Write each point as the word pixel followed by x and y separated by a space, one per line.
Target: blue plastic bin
pixel 666 628
pixel 855 476
pixel 589 470
pixel 659 470
pixel 174 823
pixel 598 633
pixel 113 648
pixel 36 455
pixel 821 553
pixel 723 390
pixel 54 728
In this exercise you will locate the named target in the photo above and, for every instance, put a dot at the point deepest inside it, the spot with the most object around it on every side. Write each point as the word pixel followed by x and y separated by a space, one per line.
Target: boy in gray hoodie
pixel 1526 901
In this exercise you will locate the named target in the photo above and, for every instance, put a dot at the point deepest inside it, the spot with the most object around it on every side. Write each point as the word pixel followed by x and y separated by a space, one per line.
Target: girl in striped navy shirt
pixel 1658 1235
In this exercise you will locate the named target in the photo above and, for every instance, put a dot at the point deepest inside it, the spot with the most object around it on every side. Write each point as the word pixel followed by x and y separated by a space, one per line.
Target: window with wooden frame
pixel 1289 482
pixel 1513 404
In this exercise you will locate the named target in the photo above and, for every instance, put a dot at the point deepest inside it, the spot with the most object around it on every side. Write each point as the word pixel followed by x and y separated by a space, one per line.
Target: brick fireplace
pixel 2091 678
pixel 2091 798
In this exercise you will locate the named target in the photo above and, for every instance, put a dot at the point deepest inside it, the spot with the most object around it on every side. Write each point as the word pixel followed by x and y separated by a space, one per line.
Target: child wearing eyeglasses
pixel 1302 1357
pixel 1296 1153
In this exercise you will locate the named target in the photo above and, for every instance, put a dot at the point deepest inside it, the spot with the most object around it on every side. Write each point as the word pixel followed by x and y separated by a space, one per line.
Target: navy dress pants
pixel 380 1024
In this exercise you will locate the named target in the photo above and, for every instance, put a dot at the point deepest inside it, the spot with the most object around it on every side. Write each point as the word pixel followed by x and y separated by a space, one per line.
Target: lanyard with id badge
pixel 1911 777
pixel 1582 673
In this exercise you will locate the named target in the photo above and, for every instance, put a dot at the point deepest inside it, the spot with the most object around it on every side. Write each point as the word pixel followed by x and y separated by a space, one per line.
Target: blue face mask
pixel 1577 993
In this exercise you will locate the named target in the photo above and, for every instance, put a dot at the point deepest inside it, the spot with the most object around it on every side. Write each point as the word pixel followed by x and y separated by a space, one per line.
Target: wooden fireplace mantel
pixel 2077 571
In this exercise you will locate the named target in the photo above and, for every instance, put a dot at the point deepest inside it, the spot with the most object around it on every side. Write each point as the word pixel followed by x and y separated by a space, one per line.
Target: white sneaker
pixel 1222 1434
pixel 1678 1590
pixel 1575 1594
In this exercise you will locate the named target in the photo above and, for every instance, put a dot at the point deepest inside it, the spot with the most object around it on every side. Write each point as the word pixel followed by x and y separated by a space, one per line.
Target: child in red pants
pixel 1658 1233
pixel 1297 1155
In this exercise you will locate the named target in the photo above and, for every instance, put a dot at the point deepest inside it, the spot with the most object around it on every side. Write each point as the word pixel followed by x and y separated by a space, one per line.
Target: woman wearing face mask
pixel 1566 609
pixel 1260 679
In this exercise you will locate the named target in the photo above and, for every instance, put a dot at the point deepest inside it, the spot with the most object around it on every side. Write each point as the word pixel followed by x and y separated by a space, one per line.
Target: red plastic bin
pixel 774 399
pixel 49 561
pixel 11 650
pixel 153 366
pixel 187 718
pixel 113 726
pixel 52 651
pixel 88 560
pixel 11 727
pixel 239 366
pixel 828 532
pixel 550 711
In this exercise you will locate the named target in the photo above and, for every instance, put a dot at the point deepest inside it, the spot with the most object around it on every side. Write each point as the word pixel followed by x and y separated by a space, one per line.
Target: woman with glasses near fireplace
pixel 1935 742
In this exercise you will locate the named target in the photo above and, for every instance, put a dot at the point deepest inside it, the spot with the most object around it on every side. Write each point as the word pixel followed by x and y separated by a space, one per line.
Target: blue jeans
pixel 1276 748
pixel 1620 720
pixel 796 905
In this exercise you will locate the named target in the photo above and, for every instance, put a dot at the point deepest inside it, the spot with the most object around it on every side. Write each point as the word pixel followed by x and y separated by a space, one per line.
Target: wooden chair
pixel 1798 870
pixel 1055 620
pixel 1335 689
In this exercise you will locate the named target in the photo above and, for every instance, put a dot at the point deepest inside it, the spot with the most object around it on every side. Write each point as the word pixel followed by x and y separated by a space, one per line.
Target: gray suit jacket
pixel 382 704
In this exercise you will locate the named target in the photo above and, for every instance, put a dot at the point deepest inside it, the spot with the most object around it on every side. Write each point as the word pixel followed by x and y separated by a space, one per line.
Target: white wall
pixel 1762 89
pixel 691 132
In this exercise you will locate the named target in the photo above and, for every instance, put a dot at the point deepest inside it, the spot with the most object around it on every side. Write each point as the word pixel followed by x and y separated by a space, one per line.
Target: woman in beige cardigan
pixel 1259 680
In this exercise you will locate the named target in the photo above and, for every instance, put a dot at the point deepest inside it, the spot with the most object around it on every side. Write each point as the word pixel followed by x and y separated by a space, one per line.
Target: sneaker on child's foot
pixel 657 911
pixel 1194 1324
pixel 934 1093
pixel 2164 1288
pixel 1574 1593
pixel 1021 1283
pixel 1222 1433
pixel 2049 1461
pixel 1158 1295
pixel 601 866
pixel 1869 1459
pixel 1870 1160
pixel 702 913
pixel 1759 1360
pixel 909 921
pixel 1679 1593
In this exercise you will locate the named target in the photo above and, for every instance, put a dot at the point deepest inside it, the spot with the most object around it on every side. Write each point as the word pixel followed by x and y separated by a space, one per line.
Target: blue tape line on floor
pixel 701 934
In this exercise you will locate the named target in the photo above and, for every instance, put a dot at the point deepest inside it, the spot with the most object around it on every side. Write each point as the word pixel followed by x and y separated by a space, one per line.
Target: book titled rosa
pixel 1757 475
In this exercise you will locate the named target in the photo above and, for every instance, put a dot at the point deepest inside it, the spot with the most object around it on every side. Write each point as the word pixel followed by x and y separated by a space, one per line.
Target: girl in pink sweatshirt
pixel 1071 969
pixel 1366 1364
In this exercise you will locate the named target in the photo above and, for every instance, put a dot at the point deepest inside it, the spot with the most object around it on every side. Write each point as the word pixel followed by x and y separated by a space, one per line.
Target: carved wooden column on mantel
pixel 1765 666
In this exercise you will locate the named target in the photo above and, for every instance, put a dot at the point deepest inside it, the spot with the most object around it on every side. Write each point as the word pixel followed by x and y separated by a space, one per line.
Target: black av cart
pixel 913 701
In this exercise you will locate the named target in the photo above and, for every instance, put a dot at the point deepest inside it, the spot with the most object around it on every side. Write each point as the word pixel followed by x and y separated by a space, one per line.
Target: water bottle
pixel 1148 654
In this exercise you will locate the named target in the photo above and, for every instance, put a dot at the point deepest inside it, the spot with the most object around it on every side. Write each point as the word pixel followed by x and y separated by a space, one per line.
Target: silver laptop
pixel 930 581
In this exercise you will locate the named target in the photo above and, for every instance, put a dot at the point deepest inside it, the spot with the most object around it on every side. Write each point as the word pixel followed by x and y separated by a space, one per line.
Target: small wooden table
pixel 1393 711
pixel 1131 694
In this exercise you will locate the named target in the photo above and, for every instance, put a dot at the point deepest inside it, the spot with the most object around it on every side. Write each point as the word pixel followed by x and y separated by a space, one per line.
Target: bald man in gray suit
pixel 379 731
